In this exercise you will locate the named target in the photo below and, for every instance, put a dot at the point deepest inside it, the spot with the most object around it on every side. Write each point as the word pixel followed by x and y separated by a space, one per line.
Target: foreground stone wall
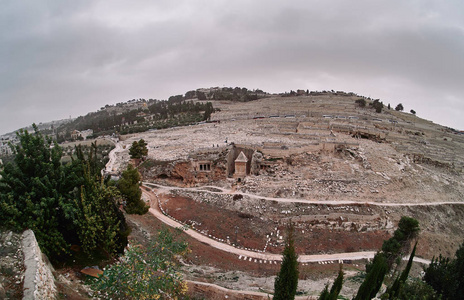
pixel 39 282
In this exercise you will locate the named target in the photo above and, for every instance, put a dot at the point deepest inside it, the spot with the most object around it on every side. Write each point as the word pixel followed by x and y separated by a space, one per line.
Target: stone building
pixel 241 166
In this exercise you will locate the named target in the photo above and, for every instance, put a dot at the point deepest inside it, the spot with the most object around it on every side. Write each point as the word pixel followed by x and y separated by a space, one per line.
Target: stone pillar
pixel 241 166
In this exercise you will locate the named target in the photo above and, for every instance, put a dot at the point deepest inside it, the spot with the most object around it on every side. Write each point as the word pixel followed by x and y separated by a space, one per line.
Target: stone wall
pixel 39 282
pixel 188 170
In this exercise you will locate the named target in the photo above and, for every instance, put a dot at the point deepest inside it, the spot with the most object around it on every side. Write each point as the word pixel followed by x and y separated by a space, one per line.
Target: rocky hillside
pixel 319 147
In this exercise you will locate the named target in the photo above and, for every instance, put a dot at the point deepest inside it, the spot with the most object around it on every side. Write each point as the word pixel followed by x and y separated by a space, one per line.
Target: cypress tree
pixel 394 290
pixel 374 278
pixel 337 285
pixel 325 293
pixel 286 281
pixel 335 290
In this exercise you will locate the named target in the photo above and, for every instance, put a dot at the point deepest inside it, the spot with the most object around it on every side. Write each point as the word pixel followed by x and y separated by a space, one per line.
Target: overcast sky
pixel 67 58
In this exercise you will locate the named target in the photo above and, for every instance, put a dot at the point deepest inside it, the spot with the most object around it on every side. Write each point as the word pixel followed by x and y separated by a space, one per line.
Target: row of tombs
pixel 215 164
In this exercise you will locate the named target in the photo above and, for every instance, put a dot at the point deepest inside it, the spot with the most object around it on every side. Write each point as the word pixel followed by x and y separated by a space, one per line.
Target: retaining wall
pixel 39 282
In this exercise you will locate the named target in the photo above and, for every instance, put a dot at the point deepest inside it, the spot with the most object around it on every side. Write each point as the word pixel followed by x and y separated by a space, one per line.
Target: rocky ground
pixel 397 164
pixel 366 170
pixel 11 265
pixel 401 166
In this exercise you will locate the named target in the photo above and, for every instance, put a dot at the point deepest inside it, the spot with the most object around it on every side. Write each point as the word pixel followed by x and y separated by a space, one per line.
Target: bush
pixel 446 276
pixel 377 105
pixel 361 102
pixel 151 273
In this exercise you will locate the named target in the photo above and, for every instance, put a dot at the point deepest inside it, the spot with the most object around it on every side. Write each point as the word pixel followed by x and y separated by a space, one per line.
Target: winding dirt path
pixel 260 257
pixel 109 168
pixel 224 191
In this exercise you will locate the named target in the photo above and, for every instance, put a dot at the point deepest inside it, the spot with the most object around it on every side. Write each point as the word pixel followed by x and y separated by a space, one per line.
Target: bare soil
pixel 252 231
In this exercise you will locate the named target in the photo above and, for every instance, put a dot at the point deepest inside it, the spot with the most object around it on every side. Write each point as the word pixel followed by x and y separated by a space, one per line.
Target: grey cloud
pixel 63 59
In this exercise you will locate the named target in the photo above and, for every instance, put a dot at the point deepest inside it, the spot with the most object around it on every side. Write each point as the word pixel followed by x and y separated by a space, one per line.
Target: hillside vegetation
pixel 141 114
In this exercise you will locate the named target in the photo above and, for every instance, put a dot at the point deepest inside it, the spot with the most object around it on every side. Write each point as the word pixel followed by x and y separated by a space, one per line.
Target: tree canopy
pixel 361 102
pixel 377 105
pixel 63 205
pixel 398 244
pixel 383 260
pixel 129 186
pixel 32 190
pixel 446 276
pixel 138 149
pixel 151 273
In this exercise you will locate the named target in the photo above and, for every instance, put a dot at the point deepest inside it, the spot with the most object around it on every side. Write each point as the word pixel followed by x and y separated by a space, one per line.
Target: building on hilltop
pixel 75 134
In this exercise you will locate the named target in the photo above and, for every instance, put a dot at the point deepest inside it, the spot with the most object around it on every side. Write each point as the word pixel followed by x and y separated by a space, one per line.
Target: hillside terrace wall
pixel 281 150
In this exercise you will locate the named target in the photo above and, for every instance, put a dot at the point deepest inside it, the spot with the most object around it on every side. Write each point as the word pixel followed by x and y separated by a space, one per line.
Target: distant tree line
pixel 178 110
pixel 226 93
pixel 378 105
pixel 160 114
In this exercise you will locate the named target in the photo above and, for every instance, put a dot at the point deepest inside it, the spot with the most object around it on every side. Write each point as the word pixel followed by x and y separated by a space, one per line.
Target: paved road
pixel 262 257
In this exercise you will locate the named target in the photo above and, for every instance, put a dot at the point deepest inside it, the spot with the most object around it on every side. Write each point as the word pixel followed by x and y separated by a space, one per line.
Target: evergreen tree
pixel 374 278
pixel 416 289
pixel 31 191
pixel 394 247
pixel 143 147
pixel 138 149
pixel 286 281
pixel 63 205
pixel 129 186
pixel 394 291
pixel 382 262
pixel 337 285
pixel 96 219
pixel 446 276
pixel 335 290
pixel 325 295
pixel 208 111
pixel 377 105
pixel 361 102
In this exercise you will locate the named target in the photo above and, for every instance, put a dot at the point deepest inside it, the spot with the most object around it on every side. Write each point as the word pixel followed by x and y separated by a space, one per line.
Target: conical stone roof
pixel 241 157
